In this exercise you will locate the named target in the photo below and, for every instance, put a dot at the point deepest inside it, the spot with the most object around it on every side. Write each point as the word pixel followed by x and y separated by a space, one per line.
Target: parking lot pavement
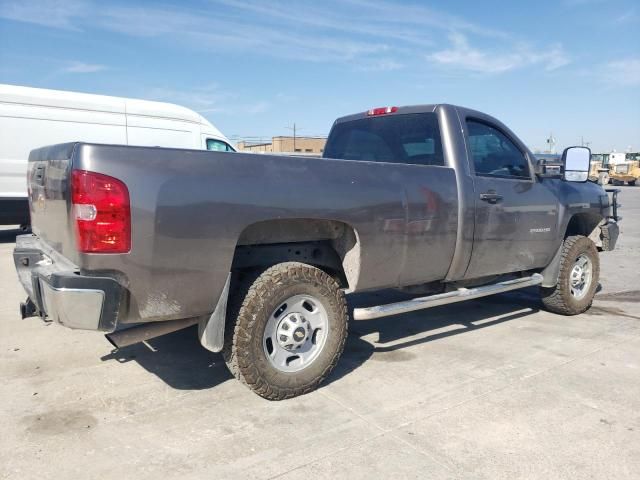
pixel 493 388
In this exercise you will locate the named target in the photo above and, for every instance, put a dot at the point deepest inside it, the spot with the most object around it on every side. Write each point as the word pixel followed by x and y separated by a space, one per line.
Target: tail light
pixel 382 111
pixel 101 212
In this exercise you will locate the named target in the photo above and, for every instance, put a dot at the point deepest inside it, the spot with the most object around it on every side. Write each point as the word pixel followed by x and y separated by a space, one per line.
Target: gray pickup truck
pixel 260 250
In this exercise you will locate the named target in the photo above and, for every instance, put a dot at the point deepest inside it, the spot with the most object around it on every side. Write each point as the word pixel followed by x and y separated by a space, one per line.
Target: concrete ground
pixel 494 388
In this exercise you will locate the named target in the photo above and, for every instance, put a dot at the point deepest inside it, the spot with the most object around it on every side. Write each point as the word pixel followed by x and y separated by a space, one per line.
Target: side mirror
pixel 576 162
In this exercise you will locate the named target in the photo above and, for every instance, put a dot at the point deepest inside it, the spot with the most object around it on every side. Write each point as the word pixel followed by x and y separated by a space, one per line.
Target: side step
pixel 369 313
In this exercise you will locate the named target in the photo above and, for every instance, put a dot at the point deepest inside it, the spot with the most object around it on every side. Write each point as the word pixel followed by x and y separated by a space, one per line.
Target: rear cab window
pixel 407 138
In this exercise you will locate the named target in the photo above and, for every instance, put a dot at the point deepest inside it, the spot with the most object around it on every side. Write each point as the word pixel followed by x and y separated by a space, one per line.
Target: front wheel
pixel 289 331
pixel 577 279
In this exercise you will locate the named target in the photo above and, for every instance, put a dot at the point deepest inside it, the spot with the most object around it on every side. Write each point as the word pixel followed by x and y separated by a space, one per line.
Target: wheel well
pixel 327 244
pixel 582 224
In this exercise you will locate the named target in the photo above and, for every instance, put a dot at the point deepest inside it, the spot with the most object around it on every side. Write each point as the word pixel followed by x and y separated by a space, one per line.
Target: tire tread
pixel 558 299
pixel 246 305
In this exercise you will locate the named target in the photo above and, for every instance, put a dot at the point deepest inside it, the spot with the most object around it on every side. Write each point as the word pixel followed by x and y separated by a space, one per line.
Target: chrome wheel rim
pixel 580 276
pixel 296 333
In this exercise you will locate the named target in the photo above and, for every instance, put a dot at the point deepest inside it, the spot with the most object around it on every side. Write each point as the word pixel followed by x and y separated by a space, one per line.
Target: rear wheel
pixel 289 330
pixel 577 279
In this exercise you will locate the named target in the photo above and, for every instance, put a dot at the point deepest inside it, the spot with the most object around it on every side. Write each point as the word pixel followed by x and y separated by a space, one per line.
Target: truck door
pixel 515 215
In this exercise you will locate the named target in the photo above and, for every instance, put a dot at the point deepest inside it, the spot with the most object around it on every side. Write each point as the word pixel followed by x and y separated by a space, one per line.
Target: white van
pixel 32 117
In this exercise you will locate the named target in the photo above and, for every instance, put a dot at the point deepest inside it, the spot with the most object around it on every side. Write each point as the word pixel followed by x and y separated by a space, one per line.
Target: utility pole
pixel 295 129
pixel 583 143
pixel 551 141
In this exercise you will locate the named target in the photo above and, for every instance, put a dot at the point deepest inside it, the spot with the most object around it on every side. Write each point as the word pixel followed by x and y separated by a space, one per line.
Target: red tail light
pixel 102 213
pixel 382 111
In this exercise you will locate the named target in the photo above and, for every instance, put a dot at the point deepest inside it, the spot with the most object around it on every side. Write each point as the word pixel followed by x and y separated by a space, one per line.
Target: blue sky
pixel 571 67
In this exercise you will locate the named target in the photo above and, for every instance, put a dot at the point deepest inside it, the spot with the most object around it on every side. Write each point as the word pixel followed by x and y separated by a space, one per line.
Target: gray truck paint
pixel 390 225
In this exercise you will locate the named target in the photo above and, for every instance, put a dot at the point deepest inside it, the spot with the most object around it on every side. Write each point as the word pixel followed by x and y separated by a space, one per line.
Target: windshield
pixel 409 138
pixel 218 145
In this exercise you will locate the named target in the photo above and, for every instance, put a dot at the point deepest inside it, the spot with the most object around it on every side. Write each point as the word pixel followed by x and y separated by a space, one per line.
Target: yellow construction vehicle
pixel 599 171
pixel 624 169
pixel 616 167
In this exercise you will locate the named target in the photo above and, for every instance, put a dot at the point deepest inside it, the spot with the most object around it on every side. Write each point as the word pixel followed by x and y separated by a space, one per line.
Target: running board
pixel 460 295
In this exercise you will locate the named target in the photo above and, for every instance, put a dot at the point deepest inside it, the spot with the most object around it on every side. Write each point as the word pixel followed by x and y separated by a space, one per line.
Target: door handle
pixel 491 196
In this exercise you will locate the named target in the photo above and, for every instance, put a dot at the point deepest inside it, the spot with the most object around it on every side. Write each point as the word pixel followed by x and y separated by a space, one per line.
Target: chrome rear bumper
pixel 59 293
pixel 73 307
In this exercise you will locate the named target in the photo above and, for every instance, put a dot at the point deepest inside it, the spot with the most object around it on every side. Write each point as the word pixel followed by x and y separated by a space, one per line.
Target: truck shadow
pixel 180 361
pixel 397 333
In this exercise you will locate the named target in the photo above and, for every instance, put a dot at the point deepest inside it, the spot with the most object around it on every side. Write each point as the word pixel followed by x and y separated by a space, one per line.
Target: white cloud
pixel 621 73
pixel 380 65
pixel 462 55
pixel 49 13
pixel 205 99
pixel 81 67
pixel 627 17
pixel 580 3
pixel 362 34
pixel 256 108
pixel 208 99
pixel 392 16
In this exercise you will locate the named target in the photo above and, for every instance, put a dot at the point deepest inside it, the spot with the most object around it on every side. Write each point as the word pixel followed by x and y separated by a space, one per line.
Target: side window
pixel 494 154
pixel 218 145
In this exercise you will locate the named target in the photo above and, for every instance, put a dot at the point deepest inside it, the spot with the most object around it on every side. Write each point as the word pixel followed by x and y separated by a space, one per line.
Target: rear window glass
pixel 410 138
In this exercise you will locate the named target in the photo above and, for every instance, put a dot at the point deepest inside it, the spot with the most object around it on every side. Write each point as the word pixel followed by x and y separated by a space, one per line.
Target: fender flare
pixel 211 329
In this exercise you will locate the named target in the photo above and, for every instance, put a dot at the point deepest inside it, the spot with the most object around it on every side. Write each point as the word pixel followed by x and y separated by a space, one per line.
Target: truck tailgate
pixel 50 197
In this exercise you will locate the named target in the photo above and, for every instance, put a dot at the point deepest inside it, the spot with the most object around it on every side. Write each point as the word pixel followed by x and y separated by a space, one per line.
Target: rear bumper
pixel 61 294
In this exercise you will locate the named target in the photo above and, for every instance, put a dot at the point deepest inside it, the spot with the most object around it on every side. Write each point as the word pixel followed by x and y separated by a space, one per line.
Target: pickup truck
pixel 259 251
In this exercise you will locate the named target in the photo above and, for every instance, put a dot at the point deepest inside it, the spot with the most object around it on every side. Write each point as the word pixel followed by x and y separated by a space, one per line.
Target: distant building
pixel 308 145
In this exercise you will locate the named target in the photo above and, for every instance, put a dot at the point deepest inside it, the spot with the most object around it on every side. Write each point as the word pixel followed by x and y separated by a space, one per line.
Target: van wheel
pixel 289 326
pixel 577 279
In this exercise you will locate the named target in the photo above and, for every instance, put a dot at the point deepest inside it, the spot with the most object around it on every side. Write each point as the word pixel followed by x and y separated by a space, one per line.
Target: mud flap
pixel 211 330
pixel 551 271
